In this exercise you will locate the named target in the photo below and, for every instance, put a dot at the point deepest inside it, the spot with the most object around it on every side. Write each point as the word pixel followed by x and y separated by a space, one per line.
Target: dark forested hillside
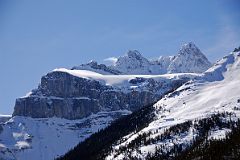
pixel 201 147
pixel 98 145
pixel 212 149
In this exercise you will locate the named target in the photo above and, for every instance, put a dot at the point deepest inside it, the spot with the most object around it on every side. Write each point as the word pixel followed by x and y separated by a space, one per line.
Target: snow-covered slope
pixel 195 100
pixel 26 138
pixel 46 138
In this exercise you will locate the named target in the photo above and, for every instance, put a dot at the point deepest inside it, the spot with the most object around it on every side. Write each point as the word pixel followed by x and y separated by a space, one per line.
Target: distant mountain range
pixel 188 60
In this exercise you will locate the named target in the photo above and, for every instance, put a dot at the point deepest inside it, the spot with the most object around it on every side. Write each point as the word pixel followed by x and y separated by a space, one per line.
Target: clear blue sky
pixel 38 36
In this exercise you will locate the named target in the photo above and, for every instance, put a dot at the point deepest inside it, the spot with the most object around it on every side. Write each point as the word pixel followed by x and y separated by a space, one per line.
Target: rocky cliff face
pixel 4 118
pixel 95 67
pixel 72 94
pixel 61 94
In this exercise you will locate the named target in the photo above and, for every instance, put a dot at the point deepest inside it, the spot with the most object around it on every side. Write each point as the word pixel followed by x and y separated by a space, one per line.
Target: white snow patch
pixel 121 79
pixel 22 145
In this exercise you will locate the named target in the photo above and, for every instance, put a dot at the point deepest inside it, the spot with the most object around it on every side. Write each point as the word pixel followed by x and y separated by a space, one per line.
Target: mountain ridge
pixel 189 59
pixel 69 91
pixel 195 114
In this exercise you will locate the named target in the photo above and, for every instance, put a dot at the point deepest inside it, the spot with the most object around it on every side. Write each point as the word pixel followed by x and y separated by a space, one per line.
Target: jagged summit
pixel 132 63
pixel 189 59
pixel 134 54
pixel 99 68
pixel 92 63
pixel 191 49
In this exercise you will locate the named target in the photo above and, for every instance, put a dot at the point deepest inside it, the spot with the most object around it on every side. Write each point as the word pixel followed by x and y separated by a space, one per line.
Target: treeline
pixel 202 129
pixel 201 147
pixel 98 145
pixel 146 138
pixel 215 149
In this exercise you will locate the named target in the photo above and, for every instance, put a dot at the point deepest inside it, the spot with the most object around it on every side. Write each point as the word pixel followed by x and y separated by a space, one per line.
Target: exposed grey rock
pixel 94 66
pixel 4 118
pixel 63 95
pixel 1 128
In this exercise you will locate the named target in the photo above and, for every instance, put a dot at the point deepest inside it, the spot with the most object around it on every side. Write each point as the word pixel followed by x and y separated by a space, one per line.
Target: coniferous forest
pixel 99 145
pixel 203 148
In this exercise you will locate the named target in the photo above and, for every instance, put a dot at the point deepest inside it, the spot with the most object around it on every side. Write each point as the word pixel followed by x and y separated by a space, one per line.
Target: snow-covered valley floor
pixel 26 138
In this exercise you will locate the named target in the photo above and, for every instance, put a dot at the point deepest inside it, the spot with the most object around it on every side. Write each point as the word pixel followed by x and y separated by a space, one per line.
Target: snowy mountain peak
pixel 131 62
pixel 189 45
pixel 189 59
pixel 190 48
pixel 92 63
pixel 134 54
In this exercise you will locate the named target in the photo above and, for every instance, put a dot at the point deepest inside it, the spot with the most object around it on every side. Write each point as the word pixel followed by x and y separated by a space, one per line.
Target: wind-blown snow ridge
pixel 121 80
pixel 216 72
pixel 5 115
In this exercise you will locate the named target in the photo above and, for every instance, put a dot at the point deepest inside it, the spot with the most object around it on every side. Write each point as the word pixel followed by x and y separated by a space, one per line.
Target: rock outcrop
pixel 63 95
pixel 99 68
